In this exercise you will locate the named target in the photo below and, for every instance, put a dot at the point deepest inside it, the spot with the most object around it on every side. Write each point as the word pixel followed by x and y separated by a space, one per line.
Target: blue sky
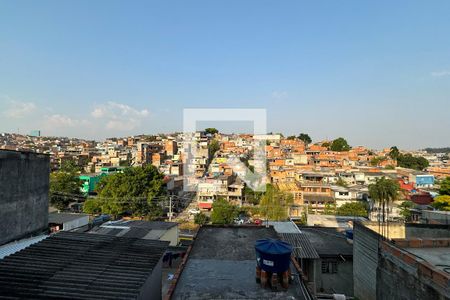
pixel 375 72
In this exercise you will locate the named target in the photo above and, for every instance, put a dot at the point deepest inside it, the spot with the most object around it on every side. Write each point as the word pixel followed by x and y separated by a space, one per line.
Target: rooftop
pixel 438 257
pixel 18 245
pixel 284 226
pixel 302 246
pixel 70 265
pixel 328 241
pixel 222 265
pixel 59 218
pixel 152 230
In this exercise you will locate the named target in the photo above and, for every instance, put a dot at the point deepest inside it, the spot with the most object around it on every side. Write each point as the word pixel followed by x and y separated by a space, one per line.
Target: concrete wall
pixel 24 185
pixel 152 286
pixel 401 276
pixel 82 221
pixel 427 231
pixel 338 283
pixel 365 262
pixel 396 230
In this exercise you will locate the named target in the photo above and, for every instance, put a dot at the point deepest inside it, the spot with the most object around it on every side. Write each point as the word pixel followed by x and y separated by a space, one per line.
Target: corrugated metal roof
pixel 328 241
pixel 16 246
pixel 302 246
pixel 284 226
pixel 70 265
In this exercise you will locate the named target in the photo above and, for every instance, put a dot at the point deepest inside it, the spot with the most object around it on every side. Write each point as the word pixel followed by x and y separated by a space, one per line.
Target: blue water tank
pixel 273 255
pixel 349 234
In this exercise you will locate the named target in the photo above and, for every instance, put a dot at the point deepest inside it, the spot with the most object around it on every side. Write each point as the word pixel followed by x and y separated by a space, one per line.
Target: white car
pixel 238 221
pixel 194 211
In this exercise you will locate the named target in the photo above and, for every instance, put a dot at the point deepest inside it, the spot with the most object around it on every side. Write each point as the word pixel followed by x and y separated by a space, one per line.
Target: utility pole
pixel 170 208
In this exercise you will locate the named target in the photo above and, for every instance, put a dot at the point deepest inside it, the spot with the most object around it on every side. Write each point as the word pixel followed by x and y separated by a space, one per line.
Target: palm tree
pixel 384 191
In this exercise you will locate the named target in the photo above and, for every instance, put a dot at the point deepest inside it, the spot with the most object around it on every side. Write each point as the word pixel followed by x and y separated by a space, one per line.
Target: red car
pixel 258 222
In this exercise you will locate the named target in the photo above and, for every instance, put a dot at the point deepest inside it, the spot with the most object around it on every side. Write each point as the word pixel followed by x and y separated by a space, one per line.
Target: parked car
pixel 194 211
pixel 238 221
pixel 257 222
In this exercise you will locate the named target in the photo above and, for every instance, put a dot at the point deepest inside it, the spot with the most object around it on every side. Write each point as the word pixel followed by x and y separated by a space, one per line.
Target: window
pixel 329 266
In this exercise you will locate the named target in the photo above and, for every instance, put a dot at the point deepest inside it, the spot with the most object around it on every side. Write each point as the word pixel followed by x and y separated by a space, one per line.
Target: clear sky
pixel 375 72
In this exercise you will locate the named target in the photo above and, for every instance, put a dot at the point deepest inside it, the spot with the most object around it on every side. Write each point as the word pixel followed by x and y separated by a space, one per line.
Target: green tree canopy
pixel 65 186
pixel 445 186
pixel 213 147
pixel 377 160
pixel 92 206
pixel 394 153
pixel 330 209
pixel 274 204
pixel 201 219
pixel 305 138
pixel 412 162
pixel 132 191
pixel 442 203
pixel 223 212
pixel 339 144
pixel 405 207
pixel 251 196
pixel 211 131
pixel 341 182
pixel 357 209
pixel 70 166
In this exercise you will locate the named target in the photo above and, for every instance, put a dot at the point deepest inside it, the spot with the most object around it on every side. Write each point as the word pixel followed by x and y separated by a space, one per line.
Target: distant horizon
pixel 227 133
pixel 376 73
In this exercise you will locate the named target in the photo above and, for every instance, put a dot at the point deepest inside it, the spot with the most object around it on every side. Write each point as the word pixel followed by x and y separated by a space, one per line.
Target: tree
pixel 92 206
pixel 441 203
pixel 377 160
pixel 291 137
pixel 201 219
pixel 305 138
pixel 274 204
pixel 326 145
pixel 330 208
pixel 212 131
pixel 405 211
pixel 384 191
pixel 445 186
pixel 65 187
pixel 341 182
pixel 213 147
pixel 251 196
pixel 223 212
pixel 70 166
pixel 339 144
pixel 394 153
pixel 134 191
pixel 411 162
pixel 356 209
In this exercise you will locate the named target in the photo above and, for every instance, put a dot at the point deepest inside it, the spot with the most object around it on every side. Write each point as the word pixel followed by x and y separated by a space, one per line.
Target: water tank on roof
pixel 273 255
pixel 349 234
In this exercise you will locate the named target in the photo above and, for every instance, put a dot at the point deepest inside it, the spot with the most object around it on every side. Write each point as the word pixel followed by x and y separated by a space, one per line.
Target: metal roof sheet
pixel 70 265
pixel 16 246
pixel 302 247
